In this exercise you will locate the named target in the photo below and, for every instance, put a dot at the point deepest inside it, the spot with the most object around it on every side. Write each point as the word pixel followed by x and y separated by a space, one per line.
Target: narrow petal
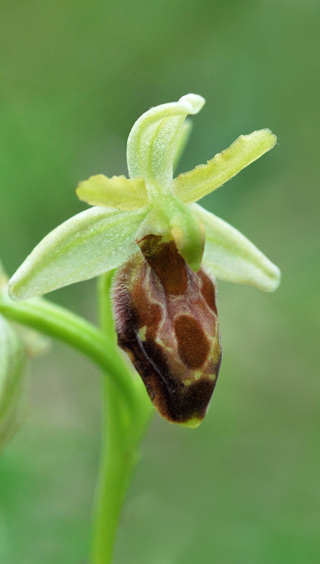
pixel 86 245
pixel 193 185
pixel 230 256
pixel 153 138
pixel 116 192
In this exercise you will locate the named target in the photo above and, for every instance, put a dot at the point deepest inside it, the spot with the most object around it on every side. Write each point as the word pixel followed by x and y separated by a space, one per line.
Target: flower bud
pixel 166 320
pixel 13 394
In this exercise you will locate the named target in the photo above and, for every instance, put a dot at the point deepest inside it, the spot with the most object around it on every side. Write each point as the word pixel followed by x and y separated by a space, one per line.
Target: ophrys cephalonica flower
pixel 150 227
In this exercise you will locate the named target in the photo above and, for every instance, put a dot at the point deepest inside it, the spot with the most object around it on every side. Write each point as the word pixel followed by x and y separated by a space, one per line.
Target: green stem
pixel 122 433
pixel 73 330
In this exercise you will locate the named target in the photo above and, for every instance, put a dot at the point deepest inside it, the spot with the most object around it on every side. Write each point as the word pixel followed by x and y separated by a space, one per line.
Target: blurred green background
pixel 74 76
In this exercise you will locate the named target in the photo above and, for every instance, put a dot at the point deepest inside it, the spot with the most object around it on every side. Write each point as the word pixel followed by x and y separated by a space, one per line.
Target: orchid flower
pixel 168 251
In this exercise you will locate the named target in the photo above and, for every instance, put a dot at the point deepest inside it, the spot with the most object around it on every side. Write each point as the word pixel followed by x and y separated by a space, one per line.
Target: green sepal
pixel 88 244
pixel 152 142
pixel 230 256
pixel 117 192
pixel 203 179
pixel 13 382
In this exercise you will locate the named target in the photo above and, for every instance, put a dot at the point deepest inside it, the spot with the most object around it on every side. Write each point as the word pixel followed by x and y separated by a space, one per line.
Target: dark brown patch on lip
pixel 175 402
pixel 208 291
pixel 193 345
pixel 167 263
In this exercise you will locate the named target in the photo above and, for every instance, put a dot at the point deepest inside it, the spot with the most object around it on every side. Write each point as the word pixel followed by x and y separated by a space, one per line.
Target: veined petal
pixel 153 138
pixel 86 245
pixel 230 256
pixel 193 185
pixel 117 192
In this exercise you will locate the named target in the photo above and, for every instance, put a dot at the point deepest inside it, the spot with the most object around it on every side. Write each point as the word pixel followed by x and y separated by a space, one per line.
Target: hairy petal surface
pixel 193 185
pixel 153 139
pixel 117 192
pixel 230 256
pixel 86 245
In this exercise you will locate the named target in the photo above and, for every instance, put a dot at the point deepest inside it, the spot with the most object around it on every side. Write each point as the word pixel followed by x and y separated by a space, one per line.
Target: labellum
pixel 166 320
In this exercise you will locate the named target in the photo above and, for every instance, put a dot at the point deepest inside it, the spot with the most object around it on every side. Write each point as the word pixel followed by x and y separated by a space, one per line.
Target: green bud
pixel 12 382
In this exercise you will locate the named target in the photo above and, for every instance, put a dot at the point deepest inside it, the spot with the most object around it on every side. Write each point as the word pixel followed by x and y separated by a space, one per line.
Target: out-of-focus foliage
pixel 74 77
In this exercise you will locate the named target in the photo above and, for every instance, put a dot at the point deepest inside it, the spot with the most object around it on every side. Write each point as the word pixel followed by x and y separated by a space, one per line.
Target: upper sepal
pixel 153 139
pixel 230 256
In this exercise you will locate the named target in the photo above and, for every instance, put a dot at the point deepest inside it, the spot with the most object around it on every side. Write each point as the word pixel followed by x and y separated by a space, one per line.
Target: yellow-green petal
pixel 85 246
pixel 193 185
pixel 153 139
pixel 230 256
pixel 117 192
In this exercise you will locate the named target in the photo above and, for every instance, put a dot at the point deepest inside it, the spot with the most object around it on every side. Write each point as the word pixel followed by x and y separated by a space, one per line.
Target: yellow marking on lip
pixel 142 333
pixel 212 376
pixel 192 423
pixel 197 375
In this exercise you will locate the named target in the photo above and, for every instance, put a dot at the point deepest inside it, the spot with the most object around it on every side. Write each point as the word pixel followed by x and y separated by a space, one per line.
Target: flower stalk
pixel 122 432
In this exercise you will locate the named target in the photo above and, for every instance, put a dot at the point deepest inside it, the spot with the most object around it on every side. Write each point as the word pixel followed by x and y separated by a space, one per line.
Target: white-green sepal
pixel 117 192
pixel 203 179
pixel 230 256
pixel 85 246
pixel 153 139
pixel 13 383
pixel 182 141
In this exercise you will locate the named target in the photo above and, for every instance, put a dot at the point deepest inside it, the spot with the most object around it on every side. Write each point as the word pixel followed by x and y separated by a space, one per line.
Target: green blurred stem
pixel 73 330
pixel 123 430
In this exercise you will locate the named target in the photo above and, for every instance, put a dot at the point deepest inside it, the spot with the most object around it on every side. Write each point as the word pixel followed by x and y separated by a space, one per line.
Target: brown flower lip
pixel 166 320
